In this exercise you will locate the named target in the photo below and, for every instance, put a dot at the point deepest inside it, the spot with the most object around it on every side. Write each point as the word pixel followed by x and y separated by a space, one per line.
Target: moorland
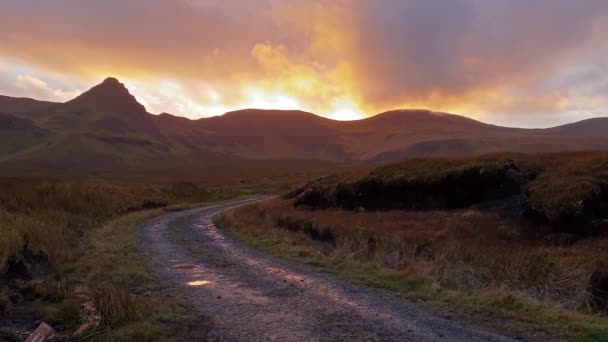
pixel 505 227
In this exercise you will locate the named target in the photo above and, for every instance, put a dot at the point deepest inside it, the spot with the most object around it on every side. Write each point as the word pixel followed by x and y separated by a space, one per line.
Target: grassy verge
pixel 128 300
pixel 503 310
pixel 110 294
pixel 68 257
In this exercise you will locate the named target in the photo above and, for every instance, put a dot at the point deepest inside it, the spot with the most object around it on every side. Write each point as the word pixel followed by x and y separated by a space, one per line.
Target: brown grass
pixel 468 250
pixel 569 191
pixel 51 217
pixel 64 245
pixel 475 265
pixel 116 306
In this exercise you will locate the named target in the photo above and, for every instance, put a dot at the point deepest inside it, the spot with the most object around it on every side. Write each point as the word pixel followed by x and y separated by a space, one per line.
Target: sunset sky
pixel 532 63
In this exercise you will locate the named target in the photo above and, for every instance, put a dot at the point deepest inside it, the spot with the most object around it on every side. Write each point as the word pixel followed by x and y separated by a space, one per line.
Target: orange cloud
pixel 340 58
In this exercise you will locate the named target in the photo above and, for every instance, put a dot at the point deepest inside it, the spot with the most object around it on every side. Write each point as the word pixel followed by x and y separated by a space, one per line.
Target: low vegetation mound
pixel 418 185
pixel 42 222
pixel 569 191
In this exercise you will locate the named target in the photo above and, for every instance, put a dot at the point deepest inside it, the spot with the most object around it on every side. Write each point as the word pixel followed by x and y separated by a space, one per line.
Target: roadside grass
pixel 124 292
pixel 494 278
pixel 69 257
pixel 47 218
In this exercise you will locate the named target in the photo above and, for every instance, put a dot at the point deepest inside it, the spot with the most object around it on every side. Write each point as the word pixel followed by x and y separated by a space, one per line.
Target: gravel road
pixel 250 296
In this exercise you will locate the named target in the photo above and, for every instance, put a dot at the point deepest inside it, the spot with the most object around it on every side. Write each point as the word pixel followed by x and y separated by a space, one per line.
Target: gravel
pixel 250 296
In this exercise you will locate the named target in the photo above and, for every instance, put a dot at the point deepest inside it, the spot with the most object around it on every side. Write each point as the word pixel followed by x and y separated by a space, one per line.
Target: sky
pixel 533 63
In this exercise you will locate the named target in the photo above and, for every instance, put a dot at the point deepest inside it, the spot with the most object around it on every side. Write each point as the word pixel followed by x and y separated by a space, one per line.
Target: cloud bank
pixel 532 63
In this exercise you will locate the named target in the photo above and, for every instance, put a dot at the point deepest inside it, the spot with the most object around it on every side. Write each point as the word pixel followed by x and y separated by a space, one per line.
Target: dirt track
pixel 249 296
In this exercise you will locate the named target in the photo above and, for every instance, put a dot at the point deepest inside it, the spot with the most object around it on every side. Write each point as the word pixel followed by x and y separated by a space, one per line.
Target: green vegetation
pixel 68 249
pixel 122 289
pixel 569 190
pixel 440 259
pixel 69 256
pixel 510 253
pixel 47 219
pixel 17 134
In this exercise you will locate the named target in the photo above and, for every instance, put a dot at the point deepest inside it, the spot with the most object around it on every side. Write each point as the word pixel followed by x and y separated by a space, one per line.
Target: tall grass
pixel 49 218
pixel 116 306
pixel 60 242
pixel 469 251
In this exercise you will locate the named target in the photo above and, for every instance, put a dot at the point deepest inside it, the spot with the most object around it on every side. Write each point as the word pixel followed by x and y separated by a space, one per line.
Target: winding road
pixel 250 296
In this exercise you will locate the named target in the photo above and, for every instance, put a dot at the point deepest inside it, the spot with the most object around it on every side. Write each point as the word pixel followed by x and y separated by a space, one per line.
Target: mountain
pixel 405 134
pixel 105 130
pixel 107 111
pixel 17 135
pixel 596 127
pixel 16 105
pixel 259 134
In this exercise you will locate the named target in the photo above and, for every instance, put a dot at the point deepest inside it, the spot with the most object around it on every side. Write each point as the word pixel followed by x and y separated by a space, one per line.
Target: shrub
pixel 417 184
pixel 569 191
pixel 116 306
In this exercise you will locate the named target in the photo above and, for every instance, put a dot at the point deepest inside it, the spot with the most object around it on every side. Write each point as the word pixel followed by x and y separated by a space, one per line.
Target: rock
pixel 43 333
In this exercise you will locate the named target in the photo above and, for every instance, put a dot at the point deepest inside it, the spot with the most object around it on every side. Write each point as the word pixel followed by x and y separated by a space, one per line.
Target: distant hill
pixel 17 135
pixel 597 127
pixel 17 105
pixel 260 134
pixel 105 130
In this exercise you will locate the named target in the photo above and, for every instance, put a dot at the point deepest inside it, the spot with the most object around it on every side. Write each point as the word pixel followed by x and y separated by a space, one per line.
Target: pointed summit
pixel 111 80
pixel 110 95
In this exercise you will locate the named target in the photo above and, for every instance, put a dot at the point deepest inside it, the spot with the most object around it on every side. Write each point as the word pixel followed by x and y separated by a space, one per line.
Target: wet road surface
pixel 249 296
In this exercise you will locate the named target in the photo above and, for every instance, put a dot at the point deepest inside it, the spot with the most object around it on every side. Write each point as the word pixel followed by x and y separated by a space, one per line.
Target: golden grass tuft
pixel 116 306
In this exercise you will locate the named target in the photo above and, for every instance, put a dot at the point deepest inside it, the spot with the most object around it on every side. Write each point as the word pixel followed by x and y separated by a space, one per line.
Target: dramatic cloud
pixel 533 63
pixel 19 82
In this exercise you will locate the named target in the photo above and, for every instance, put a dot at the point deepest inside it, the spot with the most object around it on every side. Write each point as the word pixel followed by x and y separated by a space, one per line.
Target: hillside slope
pixel 17 135
pixel 106 128
pixel 15 105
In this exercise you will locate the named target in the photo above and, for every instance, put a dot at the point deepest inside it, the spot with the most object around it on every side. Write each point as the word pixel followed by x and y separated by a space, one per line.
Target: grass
pixel 68 253
pixel 17 134
pixel 103 294
pixel 72 244
pixel 470 264
pixel 48 218
pixel 569 191
pixel 118 280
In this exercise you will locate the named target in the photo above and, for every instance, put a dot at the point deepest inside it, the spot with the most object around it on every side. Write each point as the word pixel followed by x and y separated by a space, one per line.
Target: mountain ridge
pixel 107 125
pixel 403 113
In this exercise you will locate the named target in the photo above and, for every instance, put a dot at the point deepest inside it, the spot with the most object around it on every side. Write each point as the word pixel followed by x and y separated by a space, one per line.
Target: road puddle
pixel 199 283
pixel 184 267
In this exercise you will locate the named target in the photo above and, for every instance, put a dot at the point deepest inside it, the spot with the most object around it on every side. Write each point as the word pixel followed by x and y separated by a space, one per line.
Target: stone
pixel 44 332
